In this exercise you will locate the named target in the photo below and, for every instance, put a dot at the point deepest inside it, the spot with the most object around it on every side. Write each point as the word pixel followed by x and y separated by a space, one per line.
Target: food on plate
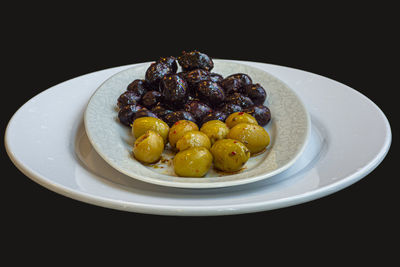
pixel 215 130
pixel 255 92
pixel 148 147
pixel 178 129
pixel 144 112
pixel 233 83
pixel 174 90
pixel 143 124
pixel 261 113
pixel 210 92
pixel 175 116
pixel 253 136
pixel 229 155
pixel 193 139
pixel 240 117
pixel 195 60
pixel 193 162
pixel 127 113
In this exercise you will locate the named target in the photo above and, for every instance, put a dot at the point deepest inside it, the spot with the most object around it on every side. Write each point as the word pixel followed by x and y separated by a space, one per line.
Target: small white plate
pixel 46 140
pixel 289 130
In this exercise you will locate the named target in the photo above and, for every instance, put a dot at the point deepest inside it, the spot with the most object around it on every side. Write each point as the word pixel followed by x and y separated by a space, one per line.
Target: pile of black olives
pixel 195 94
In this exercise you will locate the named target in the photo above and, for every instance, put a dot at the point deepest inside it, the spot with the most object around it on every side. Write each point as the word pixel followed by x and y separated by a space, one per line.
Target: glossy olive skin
pixel 215 115
pixel 195 76
pixel 233 83
pixel 174 90
pixel 255 92
pixel 161 111
pixel 230 108
pixel 143 124
pixel 127 98
pixel 170 61
pixel 210 92
pixel 261 113
pixel 151 98
pixel 127 114
pixel 215 130
pixel 215 77
pixel 175 116
pixel 195 60
pixel 240 117
pixel 198 109
pixel 193 162
pixel 139 87
pixel 254 137
pixel 229 155
pixel 179 129
pixel 240 100
pixel 155 73
pixel 193 139
pixel 144 112
pixel 148 147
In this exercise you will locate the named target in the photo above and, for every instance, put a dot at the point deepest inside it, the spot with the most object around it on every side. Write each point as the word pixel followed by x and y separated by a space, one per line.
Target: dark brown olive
pixel 256 93
pixel 127 98
pixel 215 115
pixel 156 72
pixel 170 61
pixel 210 92
pixel 261 113
pixel 215 77
pixel 193 77
pixel 127 113
pixel 198 109
pixel 151 98
pixel 174 90
pixel 161 111
pixel 175 116
pixel 230 108
pixel 140 87
pixel 240 100
pixel 144 112
pixel 233 83
pixel 195 60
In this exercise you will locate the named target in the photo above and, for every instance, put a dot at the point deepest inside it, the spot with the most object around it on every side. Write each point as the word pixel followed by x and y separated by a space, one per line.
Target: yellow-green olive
pixel 143 124
pixel 240 117
pixel 193 162
pixel 193 139
pixel 229 155
pixel 215 130
pixel 178 129
pixel 148 147
pixel 254 137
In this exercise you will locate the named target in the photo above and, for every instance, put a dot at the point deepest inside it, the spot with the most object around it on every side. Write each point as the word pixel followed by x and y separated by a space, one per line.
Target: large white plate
pixel 289 130
pixel 46 140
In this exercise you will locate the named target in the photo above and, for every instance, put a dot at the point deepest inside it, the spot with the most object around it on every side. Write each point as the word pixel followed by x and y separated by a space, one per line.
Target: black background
pixel 43 47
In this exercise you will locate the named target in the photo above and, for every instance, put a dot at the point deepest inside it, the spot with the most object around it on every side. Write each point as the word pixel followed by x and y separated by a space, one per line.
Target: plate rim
pixel 204 185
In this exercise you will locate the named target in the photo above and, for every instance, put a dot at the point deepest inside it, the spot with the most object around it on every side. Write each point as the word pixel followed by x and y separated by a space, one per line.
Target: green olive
pixel 193 139
pixel 179 129
pixel 143 124
pixel 240 117
pixel 148 147
pixel 229 155
pixel 192 162
pixel 255 137
pixel 215 130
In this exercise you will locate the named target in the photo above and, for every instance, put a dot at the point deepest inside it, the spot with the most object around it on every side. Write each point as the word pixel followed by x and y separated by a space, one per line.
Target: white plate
pixel 289 130
pixel 46 140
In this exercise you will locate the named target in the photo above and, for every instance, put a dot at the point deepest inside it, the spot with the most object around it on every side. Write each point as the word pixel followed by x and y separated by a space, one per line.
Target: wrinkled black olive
pixel 261 113
pixel 170 61
pixel 144 112
pixel 233 83
pixel 161 111
pixel 198 109
pixel 175 116
pixel 195 60
pixel 156 72
pixel 127 98
pixel 256 93
pixel 210 92
pixel 240 100
pixel 193 77
pixel 139 87
pixel 174 90
pixel 215 77
pixel 151 98
pixel 127 113
pixel 215 115
pixel 230 108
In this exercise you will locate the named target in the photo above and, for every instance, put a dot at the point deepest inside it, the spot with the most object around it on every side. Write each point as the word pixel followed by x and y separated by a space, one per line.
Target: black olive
pixel 170 61
pixel 161 111
pixel 127 113
pixel 127 98
pixel 175 116
pixel 140 87
pixel 240 100
pixel 195 60
pixel 156 72
pixel 151 98
pixel 233 83
pixel 198 109
pixel 215 115
pixel 261 113
pixel 215 77
pixel 144 112
pixel 256 93
pixel 174 90
pixel 230 108
pixel 193 77
pixel 210 92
